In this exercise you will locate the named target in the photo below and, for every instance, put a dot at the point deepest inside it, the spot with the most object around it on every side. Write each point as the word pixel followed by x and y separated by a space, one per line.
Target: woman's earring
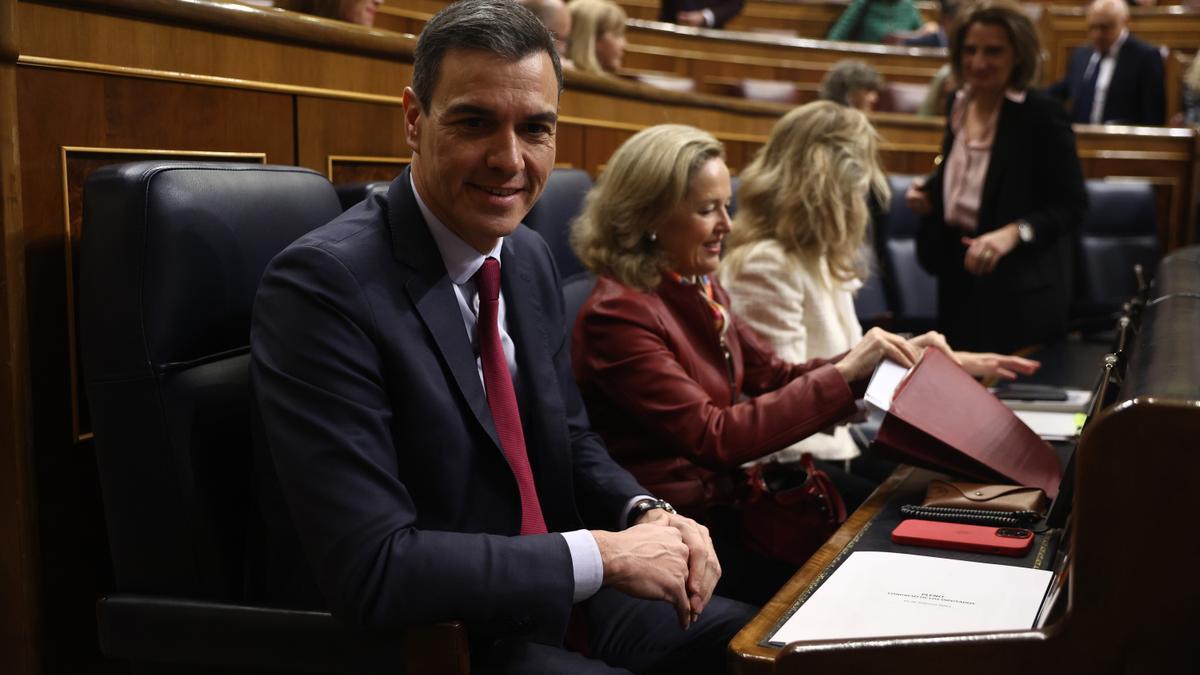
pixel 653 236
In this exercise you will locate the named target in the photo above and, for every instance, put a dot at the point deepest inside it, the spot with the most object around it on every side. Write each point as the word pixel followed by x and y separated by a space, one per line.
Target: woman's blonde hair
pixel 589 20
pixel 644 181
pixel 807 188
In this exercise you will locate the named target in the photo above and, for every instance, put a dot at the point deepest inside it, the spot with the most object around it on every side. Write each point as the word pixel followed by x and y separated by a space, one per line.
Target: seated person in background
pixel 424 453
pixel 874 20
pixel 681 389
pixel 361 12
pixel 556 17
pixel 941 90
pixel 1117 79
pixel 852 83
pixel 932 34
pixel 700 13
pixel 794 259
pixel 597 42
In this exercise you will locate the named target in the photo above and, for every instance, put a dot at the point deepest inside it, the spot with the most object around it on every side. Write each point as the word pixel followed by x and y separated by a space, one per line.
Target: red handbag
pixel 790 510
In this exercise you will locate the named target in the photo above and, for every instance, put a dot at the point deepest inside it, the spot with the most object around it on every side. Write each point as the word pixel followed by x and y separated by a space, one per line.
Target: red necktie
pixel 501 399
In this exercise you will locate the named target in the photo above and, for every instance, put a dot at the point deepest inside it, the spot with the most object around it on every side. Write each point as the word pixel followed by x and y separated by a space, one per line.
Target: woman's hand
pixel 915 197
pixel 936 340
pixel 985 251
pixel 876 345
pixel 1002 366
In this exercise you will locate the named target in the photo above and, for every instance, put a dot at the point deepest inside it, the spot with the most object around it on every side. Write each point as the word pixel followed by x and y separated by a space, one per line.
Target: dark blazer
pixel 723 10
pixel 670 406
pixel 382 451
pixel 1033 174
pixel 1135 94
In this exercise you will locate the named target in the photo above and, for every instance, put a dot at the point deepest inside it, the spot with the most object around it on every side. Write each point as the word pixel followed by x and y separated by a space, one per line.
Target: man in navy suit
pixel 1118 79
pixel 394 489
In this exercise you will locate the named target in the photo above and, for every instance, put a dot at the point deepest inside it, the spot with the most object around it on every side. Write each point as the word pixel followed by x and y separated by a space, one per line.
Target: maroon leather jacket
pixel 658 388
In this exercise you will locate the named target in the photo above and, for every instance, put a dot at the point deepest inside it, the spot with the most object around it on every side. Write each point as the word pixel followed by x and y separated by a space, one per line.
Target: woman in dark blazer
pixel 1002 210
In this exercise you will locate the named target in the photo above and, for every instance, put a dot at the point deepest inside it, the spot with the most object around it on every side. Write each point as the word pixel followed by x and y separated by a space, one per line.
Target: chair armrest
pixel 201 633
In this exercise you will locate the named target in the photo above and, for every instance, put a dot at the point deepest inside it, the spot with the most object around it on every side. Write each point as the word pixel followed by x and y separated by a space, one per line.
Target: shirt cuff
pixel 586 563
pixel 710 19
pixel 624 522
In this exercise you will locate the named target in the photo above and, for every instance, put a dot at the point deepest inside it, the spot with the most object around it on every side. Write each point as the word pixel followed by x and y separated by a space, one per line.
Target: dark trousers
pixel 628 635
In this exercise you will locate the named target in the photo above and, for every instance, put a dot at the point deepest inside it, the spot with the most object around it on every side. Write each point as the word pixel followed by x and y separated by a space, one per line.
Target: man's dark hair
pixel 501 27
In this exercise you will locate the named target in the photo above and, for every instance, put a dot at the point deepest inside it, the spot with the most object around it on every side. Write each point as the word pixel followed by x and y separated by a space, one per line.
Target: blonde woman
pixel 793 262
pixel 682 390
pixel 597 35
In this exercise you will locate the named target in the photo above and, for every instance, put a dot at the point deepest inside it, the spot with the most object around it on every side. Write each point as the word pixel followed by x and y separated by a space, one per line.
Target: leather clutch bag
pixel 954 494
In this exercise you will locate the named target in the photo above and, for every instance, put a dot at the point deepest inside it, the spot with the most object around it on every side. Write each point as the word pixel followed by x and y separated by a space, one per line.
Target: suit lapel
pixel 1003 146
pixel 432 295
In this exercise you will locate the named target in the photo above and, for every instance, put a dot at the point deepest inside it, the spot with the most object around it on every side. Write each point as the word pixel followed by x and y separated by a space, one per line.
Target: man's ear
pixel 412 114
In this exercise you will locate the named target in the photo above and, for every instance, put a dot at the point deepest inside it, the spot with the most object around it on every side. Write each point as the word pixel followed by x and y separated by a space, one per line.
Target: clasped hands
pixel 665 556
pixel 984 251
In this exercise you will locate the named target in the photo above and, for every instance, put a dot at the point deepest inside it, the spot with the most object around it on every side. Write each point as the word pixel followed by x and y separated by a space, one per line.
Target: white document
pixel 1052 426
pixel 882 387
pixel 876 594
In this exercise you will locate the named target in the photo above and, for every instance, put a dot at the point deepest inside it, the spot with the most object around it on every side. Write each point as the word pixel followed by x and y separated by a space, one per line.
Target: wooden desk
pixel 1130 595
pixel 750 656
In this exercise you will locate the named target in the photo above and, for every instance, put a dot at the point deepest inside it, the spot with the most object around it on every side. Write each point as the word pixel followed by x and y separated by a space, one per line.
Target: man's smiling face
pixel 484 148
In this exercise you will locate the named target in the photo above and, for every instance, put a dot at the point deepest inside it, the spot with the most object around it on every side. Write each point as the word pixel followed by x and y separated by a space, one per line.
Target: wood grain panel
pixel 104 112
pixel 20 612
pixel 331 127
pixel 63 33
pixel 353 169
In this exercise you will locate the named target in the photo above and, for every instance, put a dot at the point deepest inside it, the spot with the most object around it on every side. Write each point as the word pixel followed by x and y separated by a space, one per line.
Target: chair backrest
pixel 1120 231
pixel 350 194
pixel 551 216
pixel 575 292
pixel 172 254
pixel 915 289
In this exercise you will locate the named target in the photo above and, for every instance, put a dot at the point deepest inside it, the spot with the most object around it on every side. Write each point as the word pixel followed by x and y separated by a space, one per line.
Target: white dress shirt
pixel 1107 64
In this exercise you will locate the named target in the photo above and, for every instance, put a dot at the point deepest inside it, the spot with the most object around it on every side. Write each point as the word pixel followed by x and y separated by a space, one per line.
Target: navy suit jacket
pixel 383 466
pixel 1135 94
pixel 1033 174
pixel 723 10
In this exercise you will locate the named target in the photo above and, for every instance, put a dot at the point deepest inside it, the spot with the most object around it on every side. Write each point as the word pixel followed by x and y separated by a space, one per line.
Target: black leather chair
pixel 551 216
pixel 915 289
pixel 1119 232
pixel 575 292
pixel 172 253
pixel 350 194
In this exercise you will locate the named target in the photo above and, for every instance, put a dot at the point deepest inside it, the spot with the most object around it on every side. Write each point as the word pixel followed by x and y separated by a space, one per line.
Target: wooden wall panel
pixel 55 32
pixel 20 610
pixel 111 114
pixel 329 127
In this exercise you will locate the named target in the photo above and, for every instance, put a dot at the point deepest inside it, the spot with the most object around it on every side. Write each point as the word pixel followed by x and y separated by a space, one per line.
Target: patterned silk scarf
pixel 720 315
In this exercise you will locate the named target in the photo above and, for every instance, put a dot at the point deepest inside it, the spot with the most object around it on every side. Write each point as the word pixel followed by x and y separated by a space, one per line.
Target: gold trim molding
pixel 205 80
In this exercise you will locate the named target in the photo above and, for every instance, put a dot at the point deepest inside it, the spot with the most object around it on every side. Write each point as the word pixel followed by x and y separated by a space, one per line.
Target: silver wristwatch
pixel 1025 231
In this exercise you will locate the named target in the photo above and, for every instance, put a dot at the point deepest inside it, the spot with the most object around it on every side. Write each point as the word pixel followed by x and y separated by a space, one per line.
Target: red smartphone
pixel 1014 541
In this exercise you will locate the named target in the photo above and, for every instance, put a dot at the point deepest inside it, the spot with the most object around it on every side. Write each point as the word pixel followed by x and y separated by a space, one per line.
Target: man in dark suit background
pixel 1117 79
pixel 427 455
pixel 700 13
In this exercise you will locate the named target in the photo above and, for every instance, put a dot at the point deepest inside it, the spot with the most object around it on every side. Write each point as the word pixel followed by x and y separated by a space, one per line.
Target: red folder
pixel 942 419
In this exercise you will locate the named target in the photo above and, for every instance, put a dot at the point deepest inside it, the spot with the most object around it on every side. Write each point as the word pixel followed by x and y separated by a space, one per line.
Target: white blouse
pixel 803 312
